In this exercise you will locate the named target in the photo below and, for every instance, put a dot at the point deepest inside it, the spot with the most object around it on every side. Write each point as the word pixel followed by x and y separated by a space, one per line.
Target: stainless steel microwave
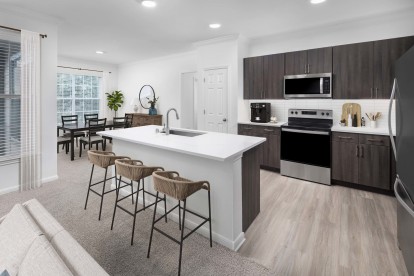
pixel 308 86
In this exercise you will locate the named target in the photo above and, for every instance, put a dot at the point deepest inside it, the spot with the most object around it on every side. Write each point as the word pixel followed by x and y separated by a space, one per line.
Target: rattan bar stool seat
pixel 103 159
pixel 134 170
pixel 170 183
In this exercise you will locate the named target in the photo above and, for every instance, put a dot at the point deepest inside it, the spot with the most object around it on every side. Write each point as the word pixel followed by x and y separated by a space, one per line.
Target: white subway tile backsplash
pixel 280 108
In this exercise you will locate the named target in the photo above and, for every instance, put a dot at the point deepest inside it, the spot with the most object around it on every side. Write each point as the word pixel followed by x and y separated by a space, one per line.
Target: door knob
pixel 224 120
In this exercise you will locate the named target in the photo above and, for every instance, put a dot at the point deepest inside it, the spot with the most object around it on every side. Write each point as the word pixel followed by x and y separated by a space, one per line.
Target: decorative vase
pixel 373 124
pixel 152 110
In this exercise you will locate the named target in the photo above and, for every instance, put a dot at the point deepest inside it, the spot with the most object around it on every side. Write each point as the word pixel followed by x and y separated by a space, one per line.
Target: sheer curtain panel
pixel 30 157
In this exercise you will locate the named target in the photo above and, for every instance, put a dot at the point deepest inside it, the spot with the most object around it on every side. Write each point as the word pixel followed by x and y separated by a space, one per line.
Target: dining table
pixel 72 128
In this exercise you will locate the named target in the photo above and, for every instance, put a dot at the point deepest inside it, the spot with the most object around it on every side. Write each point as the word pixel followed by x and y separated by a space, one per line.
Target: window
pixel 9 95
pixel 77 94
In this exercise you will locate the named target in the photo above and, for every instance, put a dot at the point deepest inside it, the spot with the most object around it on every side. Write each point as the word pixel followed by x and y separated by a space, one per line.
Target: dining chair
pixel 118 122
pixel 128 120
pixel 94 126
pixel 87 117
pixel 71 120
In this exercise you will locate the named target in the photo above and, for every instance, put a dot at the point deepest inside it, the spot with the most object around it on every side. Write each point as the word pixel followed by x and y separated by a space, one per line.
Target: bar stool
pixel 135 170
pixel 103 159
pixel 170 183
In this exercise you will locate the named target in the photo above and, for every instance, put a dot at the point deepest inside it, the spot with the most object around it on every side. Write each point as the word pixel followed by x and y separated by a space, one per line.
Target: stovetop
pixel 309 119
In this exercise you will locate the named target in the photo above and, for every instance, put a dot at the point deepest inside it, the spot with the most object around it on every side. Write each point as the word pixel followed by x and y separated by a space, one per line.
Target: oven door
pixel 306 147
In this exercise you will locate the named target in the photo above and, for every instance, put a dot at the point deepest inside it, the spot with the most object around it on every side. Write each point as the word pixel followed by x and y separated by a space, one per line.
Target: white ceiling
pixel 129 32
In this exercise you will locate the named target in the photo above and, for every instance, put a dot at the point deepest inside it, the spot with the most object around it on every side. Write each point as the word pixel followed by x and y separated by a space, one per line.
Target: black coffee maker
pixel 260 112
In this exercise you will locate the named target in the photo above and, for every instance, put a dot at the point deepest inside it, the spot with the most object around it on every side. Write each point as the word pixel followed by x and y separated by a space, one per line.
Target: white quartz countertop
pixel 277 124
pixel 362 130
pixel 211 145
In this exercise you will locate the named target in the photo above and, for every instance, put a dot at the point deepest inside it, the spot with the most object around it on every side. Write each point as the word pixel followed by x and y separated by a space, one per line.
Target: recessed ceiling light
pixel 100 52
pixel 317 1
pixel 215 26
pixel 149 3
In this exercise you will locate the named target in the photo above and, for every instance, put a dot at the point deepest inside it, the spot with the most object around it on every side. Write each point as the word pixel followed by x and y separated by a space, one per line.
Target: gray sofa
pixel 32 242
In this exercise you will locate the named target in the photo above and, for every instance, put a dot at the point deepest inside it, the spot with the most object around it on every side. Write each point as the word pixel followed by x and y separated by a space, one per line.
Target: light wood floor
pixel 311 229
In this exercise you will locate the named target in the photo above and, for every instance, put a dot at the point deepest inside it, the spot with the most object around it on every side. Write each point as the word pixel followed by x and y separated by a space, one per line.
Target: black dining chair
pixel 118 122
pixel 87 117
pixel 71 120
pixel 94 126
pixel 129 117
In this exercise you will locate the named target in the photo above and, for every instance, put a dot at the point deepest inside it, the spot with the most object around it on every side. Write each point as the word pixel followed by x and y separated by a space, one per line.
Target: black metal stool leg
pixel 132 192
pixel 181 240
pixel 103 192
pixel 116 200
pixel 209 218
pixel 179 215
pixel 143 194
pixel 152 228
pixel 135 216
pixel 89 187
pixel 165 207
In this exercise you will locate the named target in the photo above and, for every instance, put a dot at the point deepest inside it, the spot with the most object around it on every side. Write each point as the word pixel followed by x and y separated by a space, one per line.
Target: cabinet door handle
pixel 362 151
pixel 306 71
pixel 376 93
pixel 357 151
pixel 269 130
pixel 374 140
pixel 308 68
pixel 248 128
pixel 343 137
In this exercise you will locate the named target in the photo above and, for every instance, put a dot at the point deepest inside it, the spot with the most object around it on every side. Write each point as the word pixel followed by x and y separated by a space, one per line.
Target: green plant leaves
pixel 115 100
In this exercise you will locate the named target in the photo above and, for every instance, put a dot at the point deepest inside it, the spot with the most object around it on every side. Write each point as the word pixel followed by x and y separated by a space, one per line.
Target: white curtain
pixel 30 162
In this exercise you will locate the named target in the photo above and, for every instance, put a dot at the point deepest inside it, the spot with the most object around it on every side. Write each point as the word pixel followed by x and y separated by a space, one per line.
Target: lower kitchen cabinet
pixel 362 159
pixel 269 153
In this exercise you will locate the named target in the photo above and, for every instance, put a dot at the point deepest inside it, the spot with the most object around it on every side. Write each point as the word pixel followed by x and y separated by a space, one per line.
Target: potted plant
pixel 152 109
pixel 115 100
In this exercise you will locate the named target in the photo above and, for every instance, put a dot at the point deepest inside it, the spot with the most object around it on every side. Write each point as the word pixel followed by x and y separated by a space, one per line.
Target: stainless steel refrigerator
pixel 403 91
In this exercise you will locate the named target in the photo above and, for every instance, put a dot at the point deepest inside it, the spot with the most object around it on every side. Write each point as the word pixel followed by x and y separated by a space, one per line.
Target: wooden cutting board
pixel 352 108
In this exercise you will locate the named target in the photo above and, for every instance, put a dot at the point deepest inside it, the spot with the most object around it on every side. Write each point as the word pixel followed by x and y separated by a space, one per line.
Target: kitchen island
pixel 229 162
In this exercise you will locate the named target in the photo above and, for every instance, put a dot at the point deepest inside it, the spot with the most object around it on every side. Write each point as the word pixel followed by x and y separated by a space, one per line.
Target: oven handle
pixel 306 131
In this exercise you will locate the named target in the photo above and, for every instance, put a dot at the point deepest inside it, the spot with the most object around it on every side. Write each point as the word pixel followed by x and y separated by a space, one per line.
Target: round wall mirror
pixel 146 94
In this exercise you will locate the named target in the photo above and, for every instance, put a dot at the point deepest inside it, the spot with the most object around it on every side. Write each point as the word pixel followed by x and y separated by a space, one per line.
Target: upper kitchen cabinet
pixel 263 77
pixel 309 62
pixel 386 53
pixel 353 71
pixel 253 78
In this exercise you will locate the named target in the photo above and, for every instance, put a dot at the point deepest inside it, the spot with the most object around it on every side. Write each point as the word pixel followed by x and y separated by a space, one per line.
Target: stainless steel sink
pixel 185 133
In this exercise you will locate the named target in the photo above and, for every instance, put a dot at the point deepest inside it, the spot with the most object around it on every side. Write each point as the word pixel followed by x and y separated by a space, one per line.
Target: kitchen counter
pixel 211 145
pixel 362 130
pixel 277 124
pixel 229 162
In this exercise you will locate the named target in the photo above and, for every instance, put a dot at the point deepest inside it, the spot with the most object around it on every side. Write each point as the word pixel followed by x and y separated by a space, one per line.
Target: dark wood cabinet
pixel 362 159
pixel 386 53
pixel 353 71
pixel 140 119
pixel 273 79
pixel 263 77
pixel 269 152
pixel 309 62
pixel 253 78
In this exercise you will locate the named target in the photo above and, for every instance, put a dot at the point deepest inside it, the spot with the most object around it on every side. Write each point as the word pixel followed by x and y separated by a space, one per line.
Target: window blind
pixel 9 95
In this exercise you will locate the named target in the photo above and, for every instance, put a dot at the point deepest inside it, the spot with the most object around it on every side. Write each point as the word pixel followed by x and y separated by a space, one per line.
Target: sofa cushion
pixel 46 222
pixel 74 255
pixel 17 233
pixel 42 259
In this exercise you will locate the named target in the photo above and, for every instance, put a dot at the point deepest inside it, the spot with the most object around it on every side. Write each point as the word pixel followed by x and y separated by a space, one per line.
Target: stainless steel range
pixel 306 145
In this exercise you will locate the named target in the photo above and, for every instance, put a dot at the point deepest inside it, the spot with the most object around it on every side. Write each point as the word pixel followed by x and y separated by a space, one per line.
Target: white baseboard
pixel 204 230
pixel 50 179
pixel 9 190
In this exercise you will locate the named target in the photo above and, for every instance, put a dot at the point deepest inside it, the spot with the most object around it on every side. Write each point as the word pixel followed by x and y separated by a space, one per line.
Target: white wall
pixel 110 73
pixel 367 29
pixel 163 74
pixel 41 24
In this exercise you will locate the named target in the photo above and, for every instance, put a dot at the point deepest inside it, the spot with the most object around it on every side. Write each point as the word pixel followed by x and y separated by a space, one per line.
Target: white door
pixel 215 91
pixel 187 110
